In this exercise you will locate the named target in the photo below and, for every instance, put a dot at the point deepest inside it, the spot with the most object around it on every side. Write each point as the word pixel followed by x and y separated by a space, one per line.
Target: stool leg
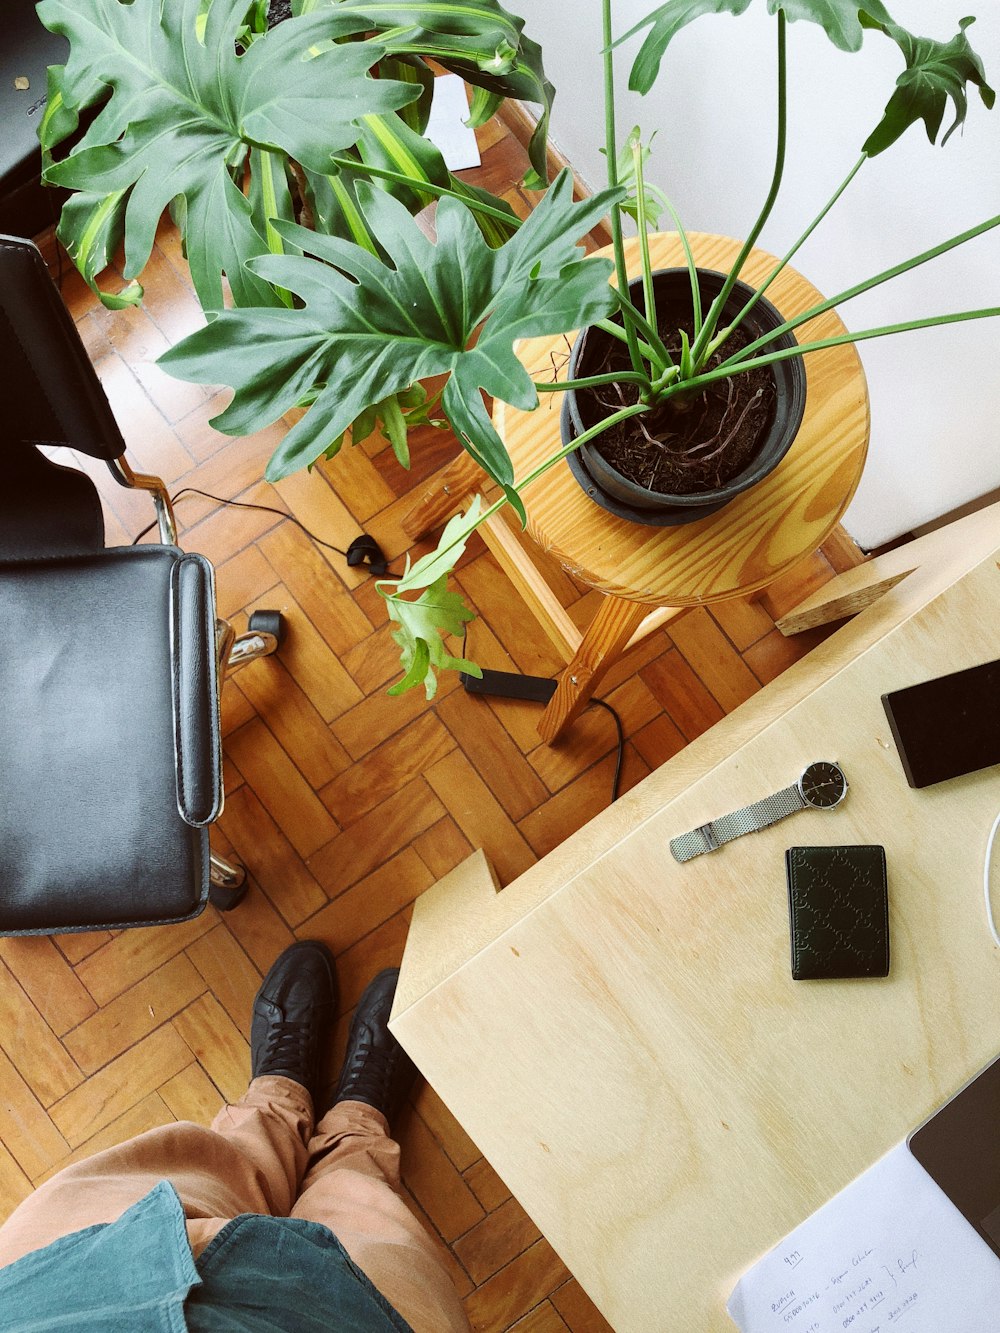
pixel 603 644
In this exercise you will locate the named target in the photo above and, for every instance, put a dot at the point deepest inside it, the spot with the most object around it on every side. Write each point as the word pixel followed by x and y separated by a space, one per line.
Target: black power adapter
pixel 510 685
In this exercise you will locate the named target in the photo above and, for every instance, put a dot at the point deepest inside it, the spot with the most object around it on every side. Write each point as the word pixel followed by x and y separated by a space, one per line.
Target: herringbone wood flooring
pixel 344 804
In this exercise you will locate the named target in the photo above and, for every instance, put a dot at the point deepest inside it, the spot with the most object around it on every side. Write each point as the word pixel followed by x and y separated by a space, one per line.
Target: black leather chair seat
pixel 108 731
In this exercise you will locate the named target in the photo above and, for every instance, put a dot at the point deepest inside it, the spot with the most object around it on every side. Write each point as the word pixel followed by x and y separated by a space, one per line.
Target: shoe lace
pixel 371 1068
pixel 287 1043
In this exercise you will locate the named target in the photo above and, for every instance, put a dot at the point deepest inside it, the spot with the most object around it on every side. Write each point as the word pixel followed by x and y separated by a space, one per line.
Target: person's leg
pixel 353 1186
pixel 252 1158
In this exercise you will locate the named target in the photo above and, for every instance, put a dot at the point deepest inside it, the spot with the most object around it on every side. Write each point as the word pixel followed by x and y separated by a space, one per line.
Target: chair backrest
pixel 49 392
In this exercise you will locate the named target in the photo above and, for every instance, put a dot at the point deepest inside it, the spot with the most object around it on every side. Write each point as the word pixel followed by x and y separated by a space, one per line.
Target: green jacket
pixel 138 1275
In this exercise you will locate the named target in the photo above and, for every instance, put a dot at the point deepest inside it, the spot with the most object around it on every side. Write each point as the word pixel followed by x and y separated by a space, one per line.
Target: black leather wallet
pixel 838 908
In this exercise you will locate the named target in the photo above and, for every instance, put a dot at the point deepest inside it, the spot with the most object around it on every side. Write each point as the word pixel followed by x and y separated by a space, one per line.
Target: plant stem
pixel 611 148
pixel 865 286
pixel 720 338
pixel 699 350
pixel 268 165
pixel 649 301
pixel 594 381
pixel 533 475
pixel 585 438
pixel 630 314
pixel 440 191
pixel 618 332
pixel 355 222
pixel 692 267
pixel 838 340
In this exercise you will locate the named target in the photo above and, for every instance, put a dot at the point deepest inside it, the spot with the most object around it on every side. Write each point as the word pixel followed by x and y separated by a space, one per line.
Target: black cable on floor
pixel 246 504
pixel 594 703
pixel 283 513
pixel 616 781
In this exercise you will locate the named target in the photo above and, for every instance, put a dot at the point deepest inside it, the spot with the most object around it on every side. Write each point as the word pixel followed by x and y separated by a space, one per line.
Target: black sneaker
pixel 376 1069
pixel 293 1015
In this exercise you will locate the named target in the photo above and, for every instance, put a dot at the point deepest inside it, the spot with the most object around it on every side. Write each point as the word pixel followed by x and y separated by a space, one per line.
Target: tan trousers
pixel 262 1156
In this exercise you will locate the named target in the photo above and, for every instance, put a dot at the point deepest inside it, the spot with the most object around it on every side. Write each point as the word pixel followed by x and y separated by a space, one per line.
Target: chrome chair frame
pixel 228 879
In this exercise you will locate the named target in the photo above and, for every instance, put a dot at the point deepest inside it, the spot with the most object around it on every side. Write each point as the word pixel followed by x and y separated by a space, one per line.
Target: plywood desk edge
pixel 466 912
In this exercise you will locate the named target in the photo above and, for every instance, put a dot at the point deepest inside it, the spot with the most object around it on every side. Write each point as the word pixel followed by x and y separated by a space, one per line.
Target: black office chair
pixel 110 659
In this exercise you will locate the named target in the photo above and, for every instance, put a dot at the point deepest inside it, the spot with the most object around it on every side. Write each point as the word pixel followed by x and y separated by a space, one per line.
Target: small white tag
pixel 445 128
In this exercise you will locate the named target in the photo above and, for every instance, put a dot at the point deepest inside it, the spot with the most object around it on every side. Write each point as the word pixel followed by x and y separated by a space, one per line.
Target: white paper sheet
pixel 890 1251
pixel 445 128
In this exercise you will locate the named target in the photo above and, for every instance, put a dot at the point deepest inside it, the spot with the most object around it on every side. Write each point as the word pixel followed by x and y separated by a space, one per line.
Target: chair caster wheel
pixel 226 899
pixel 229 895
pixel 268 622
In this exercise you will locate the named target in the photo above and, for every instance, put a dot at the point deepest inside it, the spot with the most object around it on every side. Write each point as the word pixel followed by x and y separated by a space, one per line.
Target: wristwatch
pixel 821 787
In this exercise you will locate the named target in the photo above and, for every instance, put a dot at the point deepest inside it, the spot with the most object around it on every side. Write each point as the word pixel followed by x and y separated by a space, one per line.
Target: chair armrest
pixel 197 740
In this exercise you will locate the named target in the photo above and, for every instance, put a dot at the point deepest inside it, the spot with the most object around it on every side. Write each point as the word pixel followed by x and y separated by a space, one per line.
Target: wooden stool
pixel 652 575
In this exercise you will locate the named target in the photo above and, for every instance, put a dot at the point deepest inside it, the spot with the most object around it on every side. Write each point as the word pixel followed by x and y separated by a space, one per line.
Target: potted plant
pixel 294 162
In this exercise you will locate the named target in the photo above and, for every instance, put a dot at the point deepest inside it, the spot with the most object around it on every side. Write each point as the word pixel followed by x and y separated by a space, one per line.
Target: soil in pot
pixel 686 447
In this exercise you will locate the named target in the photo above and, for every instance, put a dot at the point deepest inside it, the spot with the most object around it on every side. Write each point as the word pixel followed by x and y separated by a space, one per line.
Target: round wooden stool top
pixel 756 537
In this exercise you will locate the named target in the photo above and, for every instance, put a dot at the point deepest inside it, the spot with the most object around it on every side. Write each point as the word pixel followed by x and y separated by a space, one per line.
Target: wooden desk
pixel 621 1036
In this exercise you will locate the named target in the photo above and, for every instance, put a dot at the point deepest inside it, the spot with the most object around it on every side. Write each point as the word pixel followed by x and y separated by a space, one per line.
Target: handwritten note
pixel 890 1251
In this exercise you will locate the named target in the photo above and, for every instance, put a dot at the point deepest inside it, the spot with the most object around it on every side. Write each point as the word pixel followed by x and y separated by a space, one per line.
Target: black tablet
pixel 959 1148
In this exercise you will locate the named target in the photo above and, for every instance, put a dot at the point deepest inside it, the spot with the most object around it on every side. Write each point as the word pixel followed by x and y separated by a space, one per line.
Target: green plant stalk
pixel 649 300
pixel 865 286
pixel 787 353
pixel 439 191
pixel 661 357
pixel 611 146
pixel 595 381
pixel 355 221
pixel 532 476
pixel 275 244
pixel 618 332
pixel 720 338
pixel 692 267
pixel 699 350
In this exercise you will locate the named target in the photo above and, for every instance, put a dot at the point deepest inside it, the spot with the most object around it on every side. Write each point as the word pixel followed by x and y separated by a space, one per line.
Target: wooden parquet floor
pixel 343 803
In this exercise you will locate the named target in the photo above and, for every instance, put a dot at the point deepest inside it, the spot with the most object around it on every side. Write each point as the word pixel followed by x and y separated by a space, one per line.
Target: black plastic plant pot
pixel 617 493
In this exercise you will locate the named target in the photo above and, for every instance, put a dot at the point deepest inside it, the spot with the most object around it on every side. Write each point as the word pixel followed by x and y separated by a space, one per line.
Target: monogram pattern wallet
pixel 838 908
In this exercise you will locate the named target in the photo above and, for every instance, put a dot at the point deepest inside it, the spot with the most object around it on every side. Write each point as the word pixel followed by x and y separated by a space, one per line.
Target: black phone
pixel 947 726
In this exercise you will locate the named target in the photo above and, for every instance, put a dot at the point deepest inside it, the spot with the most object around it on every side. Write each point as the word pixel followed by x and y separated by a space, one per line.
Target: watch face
pixel 823 785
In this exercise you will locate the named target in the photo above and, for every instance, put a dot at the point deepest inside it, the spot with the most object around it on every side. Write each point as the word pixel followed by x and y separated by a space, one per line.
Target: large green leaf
pixel 91 228
pixel 478 39
pixel 843 21
pixel 421 624
pixel 368 330
pixel 185 110
pixel 664 24
pixel 936 73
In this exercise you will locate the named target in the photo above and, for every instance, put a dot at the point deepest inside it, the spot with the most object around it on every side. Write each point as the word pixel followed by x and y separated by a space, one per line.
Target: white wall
pixel 935 394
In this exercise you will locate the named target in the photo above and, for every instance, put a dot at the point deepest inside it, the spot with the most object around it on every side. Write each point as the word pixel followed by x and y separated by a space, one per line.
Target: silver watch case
pixel 805 787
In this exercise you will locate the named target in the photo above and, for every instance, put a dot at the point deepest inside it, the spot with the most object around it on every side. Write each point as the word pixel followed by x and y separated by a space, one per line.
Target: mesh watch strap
pixel 748 820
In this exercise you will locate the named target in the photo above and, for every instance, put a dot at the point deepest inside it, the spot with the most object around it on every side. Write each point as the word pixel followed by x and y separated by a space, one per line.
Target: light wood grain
pixel 607 636
pixel 517 564
pixel 366 924
pixel 753 539
pixel 854 589
pixel 621 1035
